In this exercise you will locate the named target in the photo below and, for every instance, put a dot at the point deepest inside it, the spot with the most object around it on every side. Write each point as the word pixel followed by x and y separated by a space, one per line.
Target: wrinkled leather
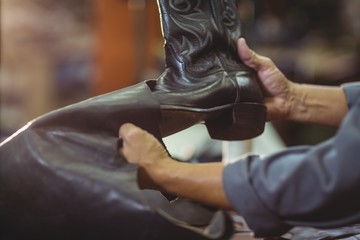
pixel 61 177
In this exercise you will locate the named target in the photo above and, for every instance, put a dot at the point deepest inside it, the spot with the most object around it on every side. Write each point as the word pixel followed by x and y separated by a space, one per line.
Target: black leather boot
pixel 204 80
pixel 61 176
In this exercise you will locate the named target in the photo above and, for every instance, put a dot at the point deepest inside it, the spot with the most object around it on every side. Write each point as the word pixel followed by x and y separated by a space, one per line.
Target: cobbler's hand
pixel 157 170
pixel 276 87
pixel 141 148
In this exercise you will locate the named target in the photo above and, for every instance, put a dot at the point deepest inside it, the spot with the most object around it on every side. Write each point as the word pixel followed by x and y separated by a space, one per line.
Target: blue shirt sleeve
pixel 352 93
pixel 315 186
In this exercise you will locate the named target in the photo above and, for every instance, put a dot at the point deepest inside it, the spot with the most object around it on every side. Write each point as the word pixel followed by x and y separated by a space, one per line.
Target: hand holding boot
pixel 141 148
pixel 292 101
pixel 199 182
pixel 277 88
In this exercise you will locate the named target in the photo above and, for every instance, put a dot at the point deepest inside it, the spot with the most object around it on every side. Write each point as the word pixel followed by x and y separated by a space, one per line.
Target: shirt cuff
pixel 244 199
pixel 352 92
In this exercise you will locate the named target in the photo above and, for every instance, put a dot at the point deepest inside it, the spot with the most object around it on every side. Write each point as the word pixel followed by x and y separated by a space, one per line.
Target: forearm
pixel 317 104
pixel 199 182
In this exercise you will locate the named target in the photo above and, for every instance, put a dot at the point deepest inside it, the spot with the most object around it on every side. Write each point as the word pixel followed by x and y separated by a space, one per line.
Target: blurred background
pixel 54 53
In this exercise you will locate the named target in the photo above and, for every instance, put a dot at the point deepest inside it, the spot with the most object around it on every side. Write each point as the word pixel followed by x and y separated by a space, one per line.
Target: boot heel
pixel 242 121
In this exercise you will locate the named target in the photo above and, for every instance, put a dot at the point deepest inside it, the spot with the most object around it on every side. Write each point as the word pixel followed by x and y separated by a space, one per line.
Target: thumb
pixel 127 130
pixel 248 56
pixel 136 143
pixel 127 136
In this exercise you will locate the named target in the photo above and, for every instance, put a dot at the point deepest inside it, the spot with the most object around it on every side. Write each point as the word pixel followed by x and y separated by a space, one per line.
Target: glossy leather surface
pixel 62 178
pixel 204 80
pixel 203 69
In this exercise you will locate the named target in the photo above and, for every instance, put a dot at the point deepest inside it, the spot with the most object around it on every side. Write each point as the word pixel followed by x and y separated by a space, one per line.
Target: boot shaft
pixel 200 36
